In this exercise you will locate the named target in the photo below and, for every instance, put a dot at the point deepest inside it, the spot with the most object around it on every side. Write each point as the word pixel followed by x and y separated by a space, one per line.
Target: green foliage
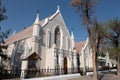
pixel 114 38
pixel 2 11
pixel 98 31
pixel 3 35
pixel 114 52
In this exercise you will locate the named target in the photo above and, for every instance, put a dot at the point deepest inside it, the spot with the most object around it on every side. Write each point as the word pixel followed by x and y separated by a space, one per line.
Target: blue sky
pixel 22 13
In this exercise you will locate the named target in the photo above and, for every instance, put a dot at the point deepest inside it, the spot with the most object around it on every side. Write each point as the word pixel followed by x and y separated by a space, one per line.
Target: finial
pixel 37 18
pixel 37 11
pixel 58 7
pixel 13 32
pixel 72 35
pixel 72 31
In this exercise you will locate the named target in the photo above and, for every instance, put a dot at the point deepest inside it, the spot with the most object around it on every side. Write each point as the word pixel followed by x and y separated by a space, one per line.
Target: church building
pixel 84 50
pixel 45 44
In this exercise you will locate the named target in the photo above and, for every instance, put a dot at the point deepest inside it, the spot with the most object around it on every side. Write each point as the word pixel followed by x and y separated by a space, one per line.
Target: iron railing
pixel 31 73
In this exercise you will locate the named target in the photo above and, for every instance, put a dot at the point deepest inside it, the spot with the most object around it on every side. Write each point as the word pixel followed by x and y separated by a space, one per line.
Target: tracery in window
pixel 16 54
pixel 57 37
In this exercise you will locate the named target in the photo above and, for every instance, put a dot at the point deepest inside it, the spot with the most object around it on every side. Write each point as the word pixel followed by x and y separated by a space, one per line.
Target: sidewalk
pixel 110 77
pixel 59 77
pixel 82 78
pixel 105 77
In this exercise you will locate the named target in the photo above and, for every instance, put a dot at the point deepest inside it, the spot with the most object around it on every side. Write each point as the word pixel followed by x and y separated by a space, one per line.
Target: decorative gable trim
pixel 46 21
pixel 57 11
pixel 51 17
pixel 26 57
pixel 86 43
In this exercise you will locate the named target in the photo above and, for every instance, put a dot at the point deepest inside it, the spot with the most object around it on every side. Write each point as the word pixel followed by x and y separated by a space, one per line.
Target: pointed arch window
pixel 49 39
pixel 57 37
pixel 16 54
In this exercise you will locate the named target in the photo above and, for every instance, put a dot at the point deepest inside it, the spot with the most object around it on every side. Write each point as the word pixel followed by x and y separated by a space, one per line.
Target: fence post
pixel 22 74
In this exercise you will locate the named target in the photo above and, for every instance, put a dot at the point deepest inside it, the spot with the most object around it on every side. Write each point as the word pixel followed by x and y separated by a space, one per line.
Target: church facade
pixel 45 44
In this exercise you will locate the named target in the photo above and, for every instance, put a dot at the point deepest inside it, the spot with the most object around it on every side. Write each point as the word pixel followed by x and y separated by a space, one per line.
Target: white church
pixel 85 52
pixel 45 44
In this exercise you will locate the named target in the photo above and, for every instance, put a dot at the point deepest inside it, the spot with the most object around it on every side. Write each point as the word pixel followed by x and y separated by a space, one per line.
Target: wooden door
pixel 65 65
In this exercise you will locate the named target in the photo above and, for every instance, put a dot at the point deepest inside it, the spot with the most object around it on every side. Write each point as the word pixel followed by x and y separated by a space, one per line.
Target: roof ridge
pixel 80 41
pixel 80 45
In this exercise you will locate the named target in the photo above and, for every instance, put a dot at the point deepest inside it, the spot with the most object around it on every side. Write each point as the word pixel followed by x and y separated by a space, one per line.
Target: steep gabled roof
pixel 79 46
pixel 25 33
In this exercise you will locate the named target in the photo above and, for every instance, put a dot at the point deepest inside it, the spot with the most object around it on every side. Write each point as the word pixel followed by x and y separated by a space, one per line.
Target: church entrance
pixel 31 72
pixel 32 65
pixel 65 65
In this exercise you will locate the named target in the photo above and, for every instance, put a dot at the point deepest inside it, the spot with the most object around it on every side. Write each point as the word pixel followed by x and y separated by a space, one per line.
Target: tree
pixel 114 37
pixel 96 36
pixel 94 29
pixel 3 35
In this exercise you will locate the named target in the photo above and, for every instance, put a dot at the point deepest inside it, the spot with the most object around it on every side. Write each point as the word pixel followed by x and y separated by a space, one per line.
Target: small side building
pixel 85 52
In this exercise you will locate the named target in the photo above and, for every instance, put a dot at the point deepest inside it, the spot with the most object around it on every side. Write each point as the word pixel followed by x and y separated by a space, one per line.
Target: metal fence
pixel 30 73
pixel 16 74
pixel 10 74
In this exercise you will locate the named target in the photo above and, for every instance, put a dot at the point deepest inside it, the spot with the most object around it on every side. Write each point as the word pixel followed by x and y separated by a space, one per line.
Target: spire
pixel 37 18
pixel 13 32
pixel 72 40
pixel 36 28
pixel 72 35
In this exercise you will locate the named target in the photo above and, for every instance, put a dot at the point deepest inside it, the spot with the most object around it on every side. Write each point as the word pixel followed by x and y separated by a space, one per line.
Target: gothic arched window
pixel 49 39
pixel 57 37
pixel 16 54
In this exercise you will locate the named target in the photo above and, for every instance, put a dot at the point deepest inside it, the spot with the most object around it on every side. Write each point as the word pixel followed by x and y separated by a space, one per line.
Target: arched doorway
pixel 65 65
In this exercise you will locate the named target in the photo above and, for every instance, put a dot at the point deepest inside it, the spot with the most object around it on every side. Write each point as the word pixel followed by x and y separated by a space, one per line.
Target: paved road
pixel 110 77
pixel 103 75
